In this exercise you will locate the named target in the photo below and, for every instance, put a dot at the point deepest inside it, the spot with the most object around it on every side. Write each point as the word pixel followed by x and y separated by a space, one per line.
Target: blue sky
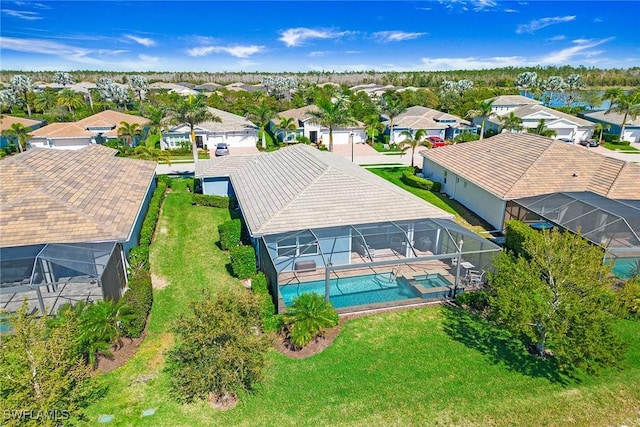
pixel 300 36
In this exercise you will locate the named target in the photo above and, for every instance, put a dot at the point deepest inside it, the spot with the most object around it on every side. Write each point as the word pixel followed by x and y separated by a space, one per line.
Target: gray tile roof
pixel 613 118
pixel 515 165
pixel 70 196
pixel 506 100
pixel 222 166
pixel 300 187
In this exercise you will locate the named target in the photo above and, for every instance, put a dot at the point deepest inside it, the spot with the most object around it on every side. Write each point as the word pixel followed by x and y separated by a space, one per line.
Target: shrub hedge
pixel 610 137
pixel 230 234
pixel 139 298
pixel 271 322
pixel 243 261
pixel 153 213
pixel 417 182
pixel 213 201
pixel 516 232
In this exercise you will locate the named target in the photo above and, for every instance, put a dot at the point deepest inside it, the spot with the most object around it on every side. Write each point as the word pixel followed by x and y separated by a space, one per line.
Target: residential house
pixel 320 223
pixel 530 112
pixel 7 121
pixel 95 129
pixel 67 221
pixel 614 121
pixel 232 129
pixel 308 127
pixel 433 122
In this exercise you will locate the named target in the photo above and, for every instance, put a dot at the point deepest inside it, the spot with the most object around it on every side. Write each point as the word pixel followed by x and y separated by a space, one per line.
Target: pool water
pixel 432 281
pixel 353 291
pixel 623 267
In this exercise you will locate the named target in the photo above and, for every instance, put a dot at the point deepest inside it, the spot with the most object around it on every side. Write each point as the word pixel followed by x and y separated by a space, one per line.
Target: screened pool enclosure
pixel 375 265
pixel 50 275
pixel 612 224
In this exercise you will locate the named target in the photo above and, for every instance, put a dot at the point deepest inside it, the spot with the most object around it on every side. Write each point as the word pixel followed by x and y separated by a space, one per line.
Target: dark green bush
pixel 478 300
pixel 243 261
pixel 417 182
pixel 516 233
pixel 436 187
pixel 153 212
pixel 271 322
pixel 139 258
pixel 230 234
pixel 139 299
pixel 611 137
pixel 213 201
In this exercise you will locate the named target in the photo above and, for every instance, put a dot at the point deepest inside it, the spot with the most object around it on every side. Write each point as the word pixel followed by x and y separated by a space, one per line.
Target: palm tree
pixel 129 132
pixel 413 140
pixel 511 122
pixel 286 125
pixel 392 107
pixel 157 119
pixel 22 85
pixel 626 104
pixel 308 317
pixel 332 114
pixel 70 99
pixel 541 129
pixel 151 153
pixel 261 114
pixel 600 127
pixel 485 111
pixel 18 133
pixel 46 100
pixel 373 126
pixel 193 110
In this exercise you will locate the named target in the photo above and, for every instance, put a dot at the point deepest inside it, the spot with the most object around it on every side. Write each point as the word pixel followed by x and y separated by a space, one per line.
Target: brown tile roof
pixel 418 117
pixel 299 114
pixel 70 196
pixel 7 121
pixel 79 129
pixel 512 166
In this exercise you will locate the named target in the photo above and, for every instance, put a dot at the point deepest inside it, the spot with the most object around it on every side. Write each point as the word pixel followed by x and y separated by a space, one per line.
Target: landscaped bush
pixel 213 201
pixel 139 299
pixel 477 300
pixel 308 317
pixel 611 137
pixel 139 258
pixel 271 322
pixel 516 232
pixel 243 261
pixel 422 183
pixel 153 212
pixel 230 234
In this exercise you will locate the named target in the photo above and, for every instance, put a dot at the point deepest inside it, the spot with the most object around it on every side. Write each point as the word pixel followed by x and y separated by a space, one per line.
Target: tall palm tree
pixel 286 125
pixel 129 132
pixel 484 111
pixel 70 99
pixel 192 110
pixel 413 140
pixel 392 107
pixel 511 122
pixel 541 129
pixel 261 114
pixel 600 127
pixel 157 120
pixel 332 114
pixel 625 103
pixel 46 100
pixel 19 133
pixel 373 126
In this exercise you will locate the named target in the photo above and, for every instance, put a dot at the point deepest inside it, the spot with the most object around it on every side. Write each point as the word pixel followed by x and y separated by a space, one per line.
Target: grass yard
pixel 463 215
pixel 619 147
pixel 430 366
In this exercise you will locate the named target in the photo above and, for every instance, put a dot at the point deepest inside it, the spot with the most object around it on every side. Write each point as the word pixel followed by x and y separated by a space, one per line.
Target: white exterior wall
pixel 234 139
pixel 343 137
pixel 631 134
pixel 484 204
pixel 60 143
pixel 398 137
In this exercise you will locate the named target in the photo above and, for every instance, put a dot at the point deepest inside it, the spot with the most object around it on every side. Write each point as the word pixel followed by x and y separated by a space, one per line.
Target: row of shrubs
pixel 214 201
pixel 139 296
pixel 415 181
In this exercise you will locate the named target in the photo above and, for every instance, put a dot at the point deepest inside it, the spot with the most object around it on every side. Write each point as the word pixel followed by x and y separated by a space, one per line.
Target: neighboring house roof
pixel 513 165
pixel 7 121
pixel 222 166
pixel 613 118
pixel 60 196
pixel 512 100
pixel 418 117
pixel 106 119
pixel 535 109
pixel 300 114
pixel 301 187
pixel 208 86
pixel 229 122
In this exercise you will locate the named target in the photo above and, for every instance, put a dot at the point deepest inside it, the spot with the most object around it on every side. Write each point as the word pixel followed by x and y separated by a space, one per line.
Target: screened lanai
pixel 49 275
pixel 612 224
pixel 375 265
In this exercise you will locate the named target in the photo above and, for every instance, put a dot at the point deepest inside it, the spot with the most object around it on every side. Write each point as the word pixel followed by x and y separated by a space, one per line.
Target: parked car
pixel 222 149
pixel 567 140
pixel 436 141
pixel 590 143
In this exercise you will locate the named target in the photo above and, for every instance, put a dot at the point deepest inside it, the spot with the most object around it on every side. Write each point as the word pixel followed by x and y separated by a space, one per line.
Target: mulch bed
pixel 120 356
pixel 314 347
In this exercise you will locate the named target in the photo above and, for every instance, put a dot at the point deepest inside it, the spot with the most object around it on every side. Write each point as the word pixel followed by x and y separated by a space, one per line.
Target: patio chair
pixel 475 277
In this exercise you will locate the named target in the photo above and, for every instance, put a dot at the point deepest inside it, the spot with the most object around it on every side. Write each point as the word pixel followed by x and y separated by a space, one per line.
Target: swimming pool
pixel 623 267
pixel 434 280
pixel 353 291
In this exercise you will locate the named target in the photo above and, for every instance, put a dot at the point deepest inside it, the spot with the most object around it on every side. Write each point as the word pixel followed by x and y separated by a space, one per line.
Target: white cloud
pixel 22 14
pixel 557 38
pixel 597 20
pixel 508 10
pixel 582 48
pixel 237 51
pixel 323 53
pixel 395 36
pixel 472 63
pixel 538 24
pixel 297 36
pixel 144 41
pixel 483 5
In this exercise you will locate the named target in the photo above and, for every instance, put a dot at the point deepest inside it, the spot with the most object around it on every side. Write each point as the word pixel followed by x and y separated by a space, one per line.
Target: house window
pixel 445 177
pixel 298 246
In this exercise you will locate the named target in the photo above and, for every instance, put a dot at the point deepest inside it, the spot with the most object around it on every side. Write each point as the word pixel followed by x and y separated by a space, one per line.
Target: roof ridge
pixel 527 169
pixel 615 181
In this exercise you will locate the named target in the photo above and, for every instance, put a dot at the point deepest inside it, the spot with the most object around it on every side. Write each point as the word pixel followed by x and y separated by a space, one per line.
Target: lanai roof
pixel 64 196
pixel 300 187
pixel 515 165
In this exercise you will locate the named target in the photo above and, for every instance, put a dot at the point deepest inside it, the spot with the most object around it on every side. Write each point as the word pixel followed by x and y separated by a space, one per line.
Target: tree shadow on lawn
pixel 501 347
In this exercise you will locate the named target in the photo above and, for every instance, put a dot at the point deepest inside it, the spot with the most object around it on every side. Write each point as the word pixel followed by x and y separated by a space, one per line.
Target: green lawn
pixel 618 147
pixel 429 366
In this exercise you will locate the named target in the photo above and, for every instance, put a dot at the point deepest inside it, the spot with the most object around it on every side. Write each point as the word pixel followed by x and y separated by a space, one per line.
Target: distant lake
pixel 558 103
